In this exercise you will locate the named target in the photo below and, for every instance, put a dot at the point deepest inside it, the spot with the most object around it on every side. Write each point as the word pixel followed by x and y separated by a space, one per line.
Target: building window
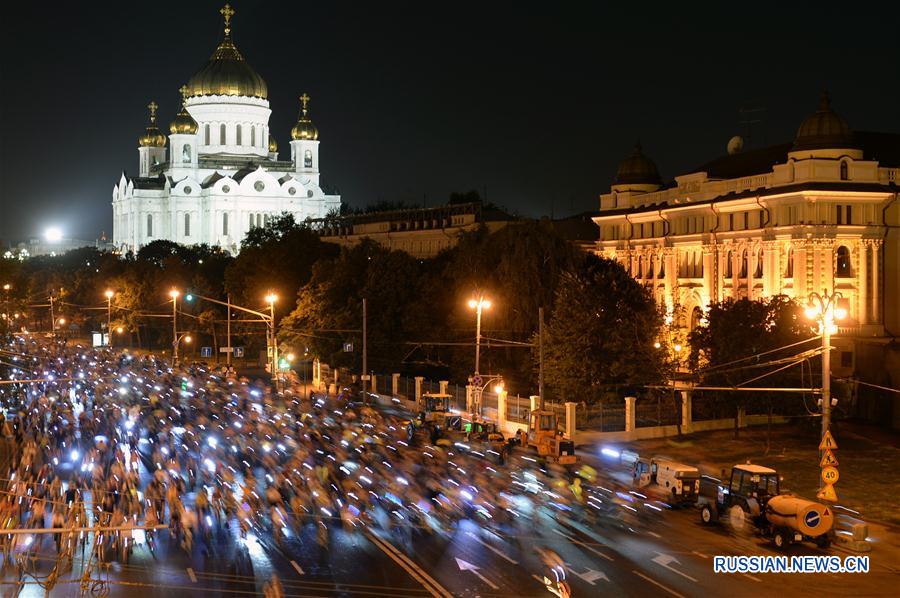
pixel 840 214
pixel 222 134
pixel 307 159
pixel 844 175
pixel 206 134
pixel 789 267
pixel 743 273
pixel 762 218
pixel 849 215
pixel 186 153
pixel 759 264
pixel 729 267
pixel 225 223
pixel 842 262
pixel 746 220
pixel 239 130
pixel 639 273
pixel 731 221
pixel 253 136
pixel 662 267
pixel 187 225
pixel 650 266
pixel 846 359
pixel 696 317
pixel 149 225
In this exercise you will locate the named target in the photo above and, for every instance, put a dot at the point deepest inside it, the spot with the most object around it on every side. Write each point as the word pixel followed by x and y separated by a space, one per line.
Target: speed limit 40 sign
pixel 830 475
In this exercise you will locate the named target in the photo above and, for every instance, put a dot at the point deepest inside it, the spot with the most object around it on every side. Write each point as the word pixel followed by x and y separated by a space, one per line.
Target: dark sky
pixel 534 103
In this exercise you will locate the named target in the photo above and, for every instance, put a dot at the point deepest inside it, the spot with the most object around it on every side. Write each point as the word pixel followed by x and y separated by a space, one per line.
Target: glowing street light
pixel 53 234
pixel 825 310
pixel 174 295
pixel 109 295
pixel 271 298
pixel 479 304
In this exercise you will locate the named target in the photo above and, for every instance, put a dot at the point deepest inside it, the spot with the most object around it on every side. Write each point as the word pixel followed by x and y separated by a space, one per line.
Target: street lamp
pixel 271 298
pixel 174 295
pixel 478 305
pixel 6 288
pixel 825 310
pixel 109 295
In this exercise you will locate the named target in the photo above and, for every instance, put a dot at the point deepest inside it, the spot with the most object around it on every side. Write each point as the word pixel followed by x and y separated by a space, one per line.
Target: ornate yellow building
pixel 819 213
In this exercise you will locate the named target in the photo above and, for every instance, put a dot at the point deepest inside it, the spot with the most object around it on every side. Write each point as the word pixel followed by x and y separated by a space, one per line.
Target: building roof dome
pixel 227 73
pixel 824 129
pixel 304 129
pixel 637 169
pixel 184 123
pixel 273 145
pixel 152 136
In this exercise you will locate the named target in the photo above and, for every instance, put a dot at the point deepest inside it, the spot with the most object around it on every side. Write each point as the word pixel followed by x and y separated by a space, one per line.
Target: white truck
pixel 676 483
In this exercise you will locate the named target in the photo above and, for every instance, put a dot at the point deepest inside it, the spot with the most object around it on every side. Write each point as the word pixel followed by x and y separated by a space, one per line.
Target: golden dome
pixel 152 136
pixel 184 123
pixel 304 129
pixel 227 73
pixel 273 145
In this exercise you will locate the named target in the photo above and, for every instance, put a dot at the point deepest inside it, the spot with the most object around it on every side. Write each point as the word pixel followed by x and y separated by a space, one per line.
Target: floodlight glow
pixel 53 234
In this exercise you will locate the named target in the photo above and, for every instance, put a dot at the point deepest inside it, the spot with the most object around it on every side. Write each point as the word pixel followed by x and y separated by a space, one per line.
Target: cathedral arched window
pixel 187 224
pixel 307 159
pixel 222 134
pixel 239 130
pixel 844 174
pixel 842 262
pixel 149 225
pixel 789 266
pixel 225 223
pixel 206 134
pixel 186 153
pixel 696 317
pixel 253 136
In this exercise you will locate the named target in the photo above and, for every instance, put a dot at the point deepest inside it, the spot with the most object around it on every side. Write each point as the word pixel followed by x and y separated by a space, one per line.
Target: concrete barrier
pixel 593 436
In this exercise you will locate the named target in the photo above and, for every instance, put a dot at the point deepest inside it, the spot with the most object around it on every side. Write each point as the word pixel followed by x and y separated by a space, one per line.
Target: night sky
pixel 533 105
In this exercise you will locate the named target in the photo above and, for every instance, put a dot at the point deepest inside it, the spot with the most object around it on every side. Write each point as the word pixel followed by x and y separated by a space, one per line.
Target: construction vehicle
pixel 485 438
pixel 678 484
pixel 752 494
pixel 435 414
pixel 544 436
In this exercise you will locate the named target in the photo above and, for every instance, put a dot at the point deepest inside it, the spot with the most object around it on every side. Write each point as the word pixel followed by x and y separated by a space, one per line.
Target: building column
pixel 709 275
pixel 570 419
pixel 687 424
pixel 877 316
pixel 419 380
pixel 629 413
pixel 671 276
pixel 395 384
pixel 374 384
pixel 862 283
pixel 501 410
pixel 535 401
pixel 443 384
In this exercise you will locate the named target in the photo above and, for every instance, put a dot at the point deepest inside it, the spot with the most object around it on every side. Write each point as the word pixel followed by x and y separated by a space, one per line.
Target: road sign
pixel 476 380
pixel 238 351
pixel 827 493
pixel 830 475
pixel 828 459
pixel 828 442
pixel 348 347
pixel 205 351
pixel 226 349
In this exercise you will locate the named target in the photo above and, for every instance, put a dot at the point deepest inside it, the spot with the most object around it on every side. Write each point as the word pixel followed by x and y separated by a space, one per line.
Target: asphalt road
pixel 667 553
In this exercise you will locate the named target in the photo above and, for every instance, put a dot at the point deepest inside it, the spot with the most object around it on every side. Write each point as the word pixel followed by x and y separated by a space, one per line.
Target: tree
pixel 601 333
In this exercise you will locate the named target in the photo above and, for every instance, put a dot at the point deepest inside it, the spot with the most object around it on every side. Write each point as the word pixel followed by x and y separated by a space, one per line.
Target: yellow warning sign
pixel 828 442
pixel 827 493
pixel 828 459
pixel 830 475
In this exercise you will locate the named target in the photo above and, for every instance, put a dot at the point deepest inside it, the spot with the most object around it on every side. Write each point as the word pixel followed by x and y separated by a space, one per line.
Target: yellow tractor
pixel 435 413
pixel 544 436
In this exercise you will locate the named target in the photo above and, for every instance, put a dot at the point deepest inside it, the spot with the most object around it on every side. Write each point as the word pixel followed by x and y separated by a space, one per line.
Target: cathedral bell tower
pixel 183 139
pixel 305 144
pixel 152 144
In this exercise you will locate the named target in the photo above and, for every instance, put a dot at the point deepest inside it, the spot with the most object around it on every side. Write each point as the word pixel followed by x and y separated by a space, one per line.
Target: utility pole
pixel 174 294
pixel 541 355
pixel 228 332
pixel 364 352
pixel 52 316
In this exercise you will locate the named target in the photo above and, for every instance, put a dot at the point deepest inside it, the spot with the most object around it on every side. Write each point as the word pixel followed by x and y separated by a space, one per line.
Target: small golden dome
pixel 304 129
pixel 152 136
pixel 227 73
pixel 184 123
pixel 273 145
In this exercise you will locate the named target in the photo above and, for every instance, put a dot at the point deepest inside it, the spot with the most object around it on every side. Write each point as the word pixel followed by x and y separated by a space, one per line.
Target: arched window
pixel 307 159
pixel 206 134
pixel 759 264
pixel 789 266
pixel 186 153
pixel 222 134
pixel 224 223
pixel 729 265
pixel 842 262
pixel 696 317
pixel 187 224
pixel 650 266
pixel 253 136
pixel 662 266
pixel 640 267
pixel 239 129
pixel 844 174
pixel 743 273
pixel 149 225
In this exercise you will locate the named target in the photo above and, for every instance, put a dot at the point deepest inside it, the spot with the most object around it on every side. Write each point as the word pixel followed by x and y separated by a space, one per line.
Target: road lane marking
pixel 654 534
pixel 297 567
pixel 467 566
pixel 657 584
pixel 580 543
pixel 191 575
pixel 665 560
pixel 408 565
pixel 491 548
pixel 700 554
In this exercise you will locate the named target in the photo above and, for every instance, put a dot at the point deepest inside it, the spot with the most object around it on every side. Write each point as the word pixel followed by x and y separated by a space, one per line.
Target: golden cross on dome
pixel 227 12
pixel 152 107
pixel 304 100
pixel 184 93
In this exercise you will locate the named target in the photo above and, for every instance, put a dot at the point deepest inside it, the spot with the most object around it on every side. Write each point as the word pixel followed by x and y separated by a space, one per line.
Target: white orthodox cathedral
pixel 220 175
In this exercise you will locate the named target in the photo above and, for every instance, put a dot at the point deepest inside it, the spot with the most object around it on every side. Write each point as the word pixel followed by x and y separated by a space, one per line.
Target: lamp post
pixel 174 295
pixel 478 305
pixel 271 298
pixel 824 309
pixel 109 295
pixel 6 315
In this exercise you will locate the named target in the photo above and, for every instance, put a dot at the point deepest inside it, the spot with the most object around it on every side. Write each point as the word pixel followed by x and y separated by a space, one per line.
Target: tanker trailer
pixel 794 519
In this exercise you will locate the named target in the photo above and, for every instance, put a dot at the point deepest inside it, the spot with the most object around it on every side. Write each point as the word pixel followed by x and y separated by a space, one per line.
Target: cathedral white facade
pixel 219 174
